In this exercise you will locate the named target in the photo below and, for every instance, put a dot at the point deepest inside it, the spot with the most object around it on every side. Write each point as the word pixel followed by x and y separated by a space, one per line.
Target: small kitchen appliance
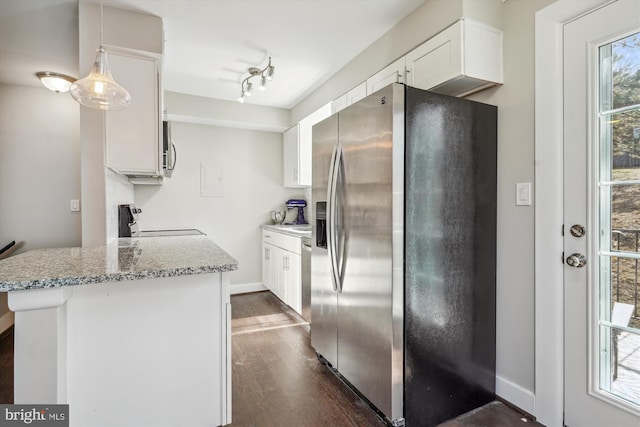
pixel 128 220
pixel 278 216
pixel 300 204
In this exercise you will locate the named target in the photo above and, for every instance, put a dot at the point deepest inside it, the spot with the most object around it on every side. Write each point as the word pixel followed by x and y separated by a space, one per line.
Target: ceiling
pixel 210 44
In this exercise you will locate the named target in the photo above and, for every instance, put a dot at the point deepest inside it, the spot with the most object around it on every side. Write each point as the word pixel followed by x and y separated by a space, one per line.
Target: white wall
pixel 39 170
pixel 251 162
pixel 515 101
pixel 181 107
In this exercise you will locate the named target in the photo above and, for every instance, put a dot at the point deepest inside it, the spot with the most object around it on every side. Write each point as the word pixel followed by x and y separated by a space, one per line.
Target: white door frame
pixel 549 268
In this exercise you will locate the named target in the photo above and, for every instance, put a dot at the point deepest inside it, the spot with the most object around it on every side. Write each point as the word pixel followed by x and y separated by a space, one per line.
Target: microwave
pixel 169 154
pixel 169 157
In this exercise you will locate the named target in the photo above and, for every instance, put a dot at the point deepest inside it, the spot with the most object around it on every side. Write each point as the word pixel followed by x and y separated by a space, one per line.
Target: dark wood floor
pixel 6 366
pixel 278 381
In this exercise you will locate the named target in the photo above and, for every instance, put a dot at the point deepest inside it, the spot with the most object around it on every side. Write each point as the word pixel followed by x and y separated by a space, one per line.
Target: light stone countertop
pixel 292 230
pixel 121 260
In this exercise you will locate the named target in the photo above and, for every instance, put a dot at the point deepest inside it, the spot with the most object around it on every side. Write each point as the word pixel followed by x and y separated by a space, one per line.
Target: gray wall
pixel 515 99
pixel 39 169
pixel 515 278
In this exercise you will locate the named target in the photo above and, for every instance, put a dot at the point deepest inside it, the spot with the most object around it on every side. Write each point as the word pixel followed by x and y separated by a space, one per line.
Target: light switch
pixel 523 194
pixel 75 205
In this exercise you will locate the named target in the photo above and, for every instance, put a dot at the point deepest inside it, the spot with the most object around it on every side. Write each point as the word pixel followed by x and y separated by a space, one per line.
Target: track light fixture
pixel 266 74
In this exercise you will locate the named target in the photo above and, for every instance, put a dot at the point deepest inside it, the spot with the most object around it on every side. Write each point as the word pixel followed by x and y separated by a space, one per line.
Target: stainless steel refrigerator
pixel 403 256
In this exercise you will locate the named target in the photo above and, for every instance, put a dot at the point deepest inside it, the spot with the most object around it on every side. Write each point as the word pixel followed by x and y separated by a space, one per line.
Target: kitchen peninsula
pixel 136 332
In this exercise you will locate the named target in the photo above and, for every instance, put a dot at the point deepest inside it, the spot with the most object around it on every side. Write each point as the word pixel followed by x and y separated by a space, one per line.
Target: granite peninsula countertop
pixel 121 260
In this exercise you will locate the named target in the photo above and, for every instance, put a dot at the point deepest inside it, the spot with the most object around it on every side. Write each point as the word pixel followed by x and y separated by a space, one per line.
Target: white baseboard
pixel 243 288
pixel 516 395
pixel 6 321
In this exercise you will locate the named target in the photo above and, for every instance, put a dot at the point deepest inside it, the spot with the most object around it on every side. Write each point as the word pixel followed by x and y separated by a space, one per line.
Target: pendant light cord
pixel 101 22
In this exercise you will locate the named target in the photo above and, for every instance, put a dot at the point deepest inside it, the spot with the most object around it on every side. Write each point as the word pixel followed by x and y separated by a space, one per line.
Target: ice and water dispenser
pixel 321 224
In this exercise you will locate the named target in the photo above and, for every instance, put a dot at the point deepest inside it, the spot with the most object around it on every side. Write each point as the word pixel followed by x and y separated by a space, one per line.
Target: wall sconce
pixel 266 74
pixel 55 81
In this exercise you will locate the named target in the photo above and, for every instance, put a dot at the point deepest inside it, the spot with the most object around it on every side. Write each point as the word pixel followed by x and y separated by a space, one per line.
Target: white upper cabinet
pixel 134 135
pixel 297 149
pixel 464 58
pixel 357 93
pixel 354 95
pixel 291 157
pixel 340 103
pixel 392 73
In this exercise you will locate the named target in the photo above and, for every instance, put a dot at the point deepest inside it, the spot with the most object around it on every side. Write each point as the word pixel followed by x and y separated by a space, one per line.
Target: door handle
pixel 329 221
pixel 576 260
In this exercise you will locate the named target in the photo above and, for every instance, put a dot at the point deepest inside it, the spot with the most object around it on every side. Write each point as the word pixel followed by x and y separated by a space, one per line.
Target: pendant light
pixel 99 90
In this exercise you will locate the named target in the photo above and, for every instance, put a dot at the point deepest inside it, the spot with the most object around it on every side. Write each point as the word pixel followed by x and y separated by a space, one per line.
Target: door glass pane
pixel 620 66
pixel 619 218
pixel 623 129
pixel 625 218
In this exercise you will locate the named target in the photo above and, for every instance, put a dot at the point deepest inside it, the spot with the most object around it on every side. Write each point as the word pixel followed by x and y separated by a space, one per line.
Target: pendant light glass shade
pixel 99 90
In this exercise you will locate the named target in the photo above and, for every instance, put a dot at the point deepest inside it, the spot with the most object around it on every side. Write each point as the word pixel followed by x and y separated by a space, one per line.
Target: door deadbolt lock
pixel 576 260
pixel 578 230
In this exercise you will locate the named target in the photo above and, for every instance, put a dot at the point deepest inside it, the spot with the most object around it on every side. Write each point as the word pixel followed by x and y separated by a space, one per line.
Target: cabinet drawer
pixel 284 241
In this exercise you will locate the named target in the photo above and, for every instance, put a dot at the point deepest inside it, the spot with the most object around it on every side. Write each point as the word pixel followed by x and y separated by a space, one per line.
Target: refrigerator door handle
pixel 339 238
pixel 331 217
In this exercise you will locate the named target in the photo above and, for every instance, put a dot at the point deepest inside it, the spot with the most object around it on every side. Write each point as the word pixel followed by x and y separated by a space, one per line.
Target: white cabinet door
pixel 340 103
pixel 393 73
pixel 269 266
pixel 464 58
pixel 133 135
pixel 280 287
pixel 357 93
pixel 297 149
pixel 293 282
pixel 291 156
pixel 353 96
pixel 306 141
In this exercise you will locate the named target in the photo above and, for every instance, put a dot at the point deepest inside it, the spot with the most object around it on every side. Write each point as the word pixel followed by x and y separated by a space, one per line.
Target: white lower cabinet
pixel 270 267
pixel 281 269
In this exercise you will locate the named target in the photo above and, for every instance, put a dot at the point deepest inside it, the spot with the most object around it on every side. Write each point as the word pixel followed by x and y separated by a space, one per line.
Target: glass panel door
pixel 619 219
